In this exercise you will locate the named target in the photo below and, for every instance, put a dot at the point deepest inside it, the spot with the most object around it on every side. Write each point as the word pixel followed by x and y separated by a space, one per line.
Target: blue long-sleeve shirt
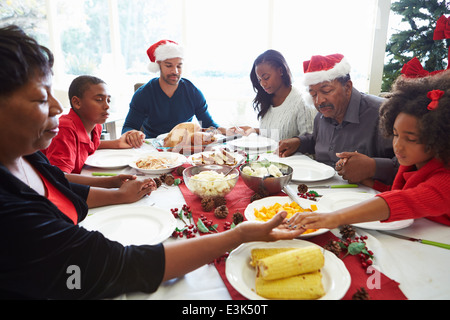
pixel 153 111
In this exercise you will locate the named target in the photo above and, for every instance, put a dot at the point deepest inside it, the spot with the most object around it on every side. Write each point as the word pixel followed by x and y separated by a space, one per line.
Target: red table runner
pixel 239 198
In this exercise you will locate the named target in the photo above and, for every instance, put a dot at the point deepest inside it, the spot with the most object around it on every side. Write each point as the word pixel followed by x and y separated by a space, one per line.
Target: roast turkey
pixel 188 134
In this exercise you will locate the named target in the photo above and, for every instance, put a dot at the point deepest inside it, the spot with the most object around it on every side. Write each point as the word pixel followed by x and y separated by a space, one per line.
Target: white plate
pixel 177 158
pixel 132 225
pixel 241 275
pixel 249 212
pixel 191 159
pixel 111 158
pixel 252 142
pixel 340 200
pixel 305 169
pixel 310 171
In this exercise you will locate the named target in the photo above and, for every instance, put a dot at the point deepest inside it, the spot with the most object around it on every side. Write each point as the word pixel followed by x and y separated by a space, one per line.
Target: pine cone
pixel 302 188
pixel 180 170
pixel 237 218
pixel 221 212
pixel 219 201
pixel 347 231
pixel 256 196
pixel 334 247
pixel 361 294
pixel 158 182
pixel 169 180
pixel 208 204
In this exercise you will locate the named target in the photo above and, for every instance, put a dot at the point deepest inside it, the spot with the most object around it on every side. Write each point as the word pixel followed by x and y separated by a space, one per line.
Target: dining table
pixel 402 269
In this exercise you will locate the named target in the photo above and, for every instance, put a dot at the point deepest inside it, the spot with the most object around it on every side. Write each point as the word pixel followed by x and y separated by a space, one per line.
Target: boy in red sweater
pixel 80 130
pixel 417 115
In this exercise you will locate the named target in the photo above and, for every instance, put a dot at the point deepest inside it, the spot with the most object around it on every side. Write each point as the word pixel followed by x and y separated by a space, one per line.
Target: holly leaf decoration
pixel 180 230
pixel 214 227
pixel 180 216
pixel 201 227
pixel 355 248
pixel 367 253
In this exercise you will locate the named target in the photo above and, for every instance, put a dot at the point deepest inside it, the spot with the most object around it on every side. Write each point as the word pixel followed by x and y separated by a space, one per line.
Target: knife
pixel 431 243
pixel 228 138
pixel 334 186
pixel 292 194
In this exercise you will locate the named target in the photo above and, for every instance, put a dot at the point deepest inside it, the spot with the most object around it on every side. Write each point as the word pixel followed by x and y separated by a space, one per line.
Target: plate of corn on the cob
pixel 287 270
pixel 266 208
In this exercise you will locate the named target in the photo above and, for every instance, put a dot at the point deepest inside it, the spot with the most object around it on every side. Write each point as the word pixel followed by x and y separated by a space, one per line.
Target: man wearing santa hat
pixel 345 134
pixel 169 99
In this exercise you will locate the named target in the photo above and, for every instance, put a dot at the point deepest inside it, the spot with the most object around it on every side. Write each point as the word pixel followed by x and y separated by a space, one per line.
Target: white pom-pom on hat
pixel 325 68
pixel 163 50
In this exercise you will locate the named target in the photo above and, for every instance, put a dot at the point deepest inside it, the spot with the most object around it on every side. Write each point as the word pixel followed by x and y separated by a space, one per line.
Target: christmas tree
pixel 417 40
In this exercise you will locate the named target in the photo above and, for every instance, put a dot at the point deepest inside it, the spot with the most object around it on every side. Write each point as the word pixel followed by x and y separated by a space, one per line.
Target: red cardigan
pixel 420 193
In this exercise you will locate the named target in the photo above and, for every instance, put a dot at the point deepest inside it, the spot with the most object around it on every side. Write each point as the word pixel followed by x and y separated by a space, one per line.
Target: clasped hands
pixel 355 167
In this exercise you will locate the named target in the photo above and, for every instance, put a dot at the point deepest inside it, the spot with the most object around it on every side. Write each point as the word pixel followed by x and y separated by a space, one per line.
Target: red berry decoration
pixel 354 246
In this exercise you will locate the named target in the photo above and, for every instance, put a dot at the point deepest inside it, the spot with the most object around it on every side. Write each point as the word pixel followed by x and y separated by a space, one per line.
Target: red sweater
pixel 420 193
pixel 73 145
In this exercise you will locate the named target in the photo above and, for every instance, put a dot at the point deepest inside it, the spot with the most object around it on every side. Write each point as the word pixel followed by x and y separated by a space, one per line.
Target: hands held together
pixel 133 189
pixel 355 167
pixel 278 228
pixel 132 139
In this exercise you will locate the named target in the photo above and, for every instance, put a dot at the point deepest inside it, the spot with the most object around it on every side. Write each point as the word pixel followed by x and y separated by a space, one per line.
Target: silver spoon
pixel 235 166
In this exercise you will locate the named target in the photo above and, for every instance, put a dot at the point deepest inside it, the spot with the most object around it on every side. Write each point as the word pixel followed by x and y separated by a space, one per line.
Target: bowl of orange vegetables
pixel 266 208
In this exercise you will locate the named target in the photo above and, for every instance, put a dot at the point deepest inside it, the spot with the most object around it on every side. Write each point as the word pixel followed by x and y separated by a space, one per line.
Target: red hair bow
pixel 434 95
pixel 442 30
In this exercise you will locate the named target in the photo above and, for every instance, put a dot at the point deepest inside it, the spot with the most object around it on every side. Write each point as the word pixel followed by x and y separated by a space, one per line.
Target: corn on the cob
pixel 261 253
pixel 290 263
pixel 306 286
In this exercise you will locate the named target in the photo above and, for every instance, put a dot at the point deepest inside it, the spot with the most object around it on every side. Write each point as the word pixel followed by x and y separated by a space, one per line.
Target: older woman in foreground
pixel 40 209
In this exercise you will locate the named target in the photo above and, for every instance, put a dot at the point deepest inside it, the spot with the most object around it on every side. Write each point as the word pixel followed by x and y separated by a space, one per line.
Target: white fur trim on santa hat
pixel 153 67
pixel 168 50
pixel 308 99
pixel 340 69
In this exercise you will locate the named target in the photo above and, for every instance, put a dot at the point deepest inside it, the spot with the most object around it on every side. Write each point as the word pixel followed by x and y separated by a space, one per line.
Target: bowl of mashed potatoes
pixel 266 177
pixel 210 180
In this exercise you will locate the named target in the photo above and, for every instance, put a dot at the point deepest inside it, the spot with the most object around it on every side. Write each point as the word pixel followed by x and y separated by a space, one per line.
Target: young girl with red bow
pixel 417 115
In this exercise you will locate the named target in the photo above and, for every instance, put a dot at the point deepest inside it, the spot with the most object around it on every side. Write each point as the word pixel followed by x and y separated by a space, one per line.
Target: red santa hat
pixel 163 50
pixel 325 68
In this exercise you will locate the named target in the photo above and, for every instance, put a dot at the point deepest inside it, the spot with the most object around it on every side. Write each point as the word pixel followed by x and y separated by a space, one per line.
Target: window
pixel 306 28
pixel 109 39
pixel 29 15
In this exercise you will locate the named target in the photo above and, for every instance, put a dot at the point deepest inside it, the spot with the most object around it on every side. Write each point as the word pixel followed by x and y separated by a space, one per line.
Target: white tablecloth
pixel 421 270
